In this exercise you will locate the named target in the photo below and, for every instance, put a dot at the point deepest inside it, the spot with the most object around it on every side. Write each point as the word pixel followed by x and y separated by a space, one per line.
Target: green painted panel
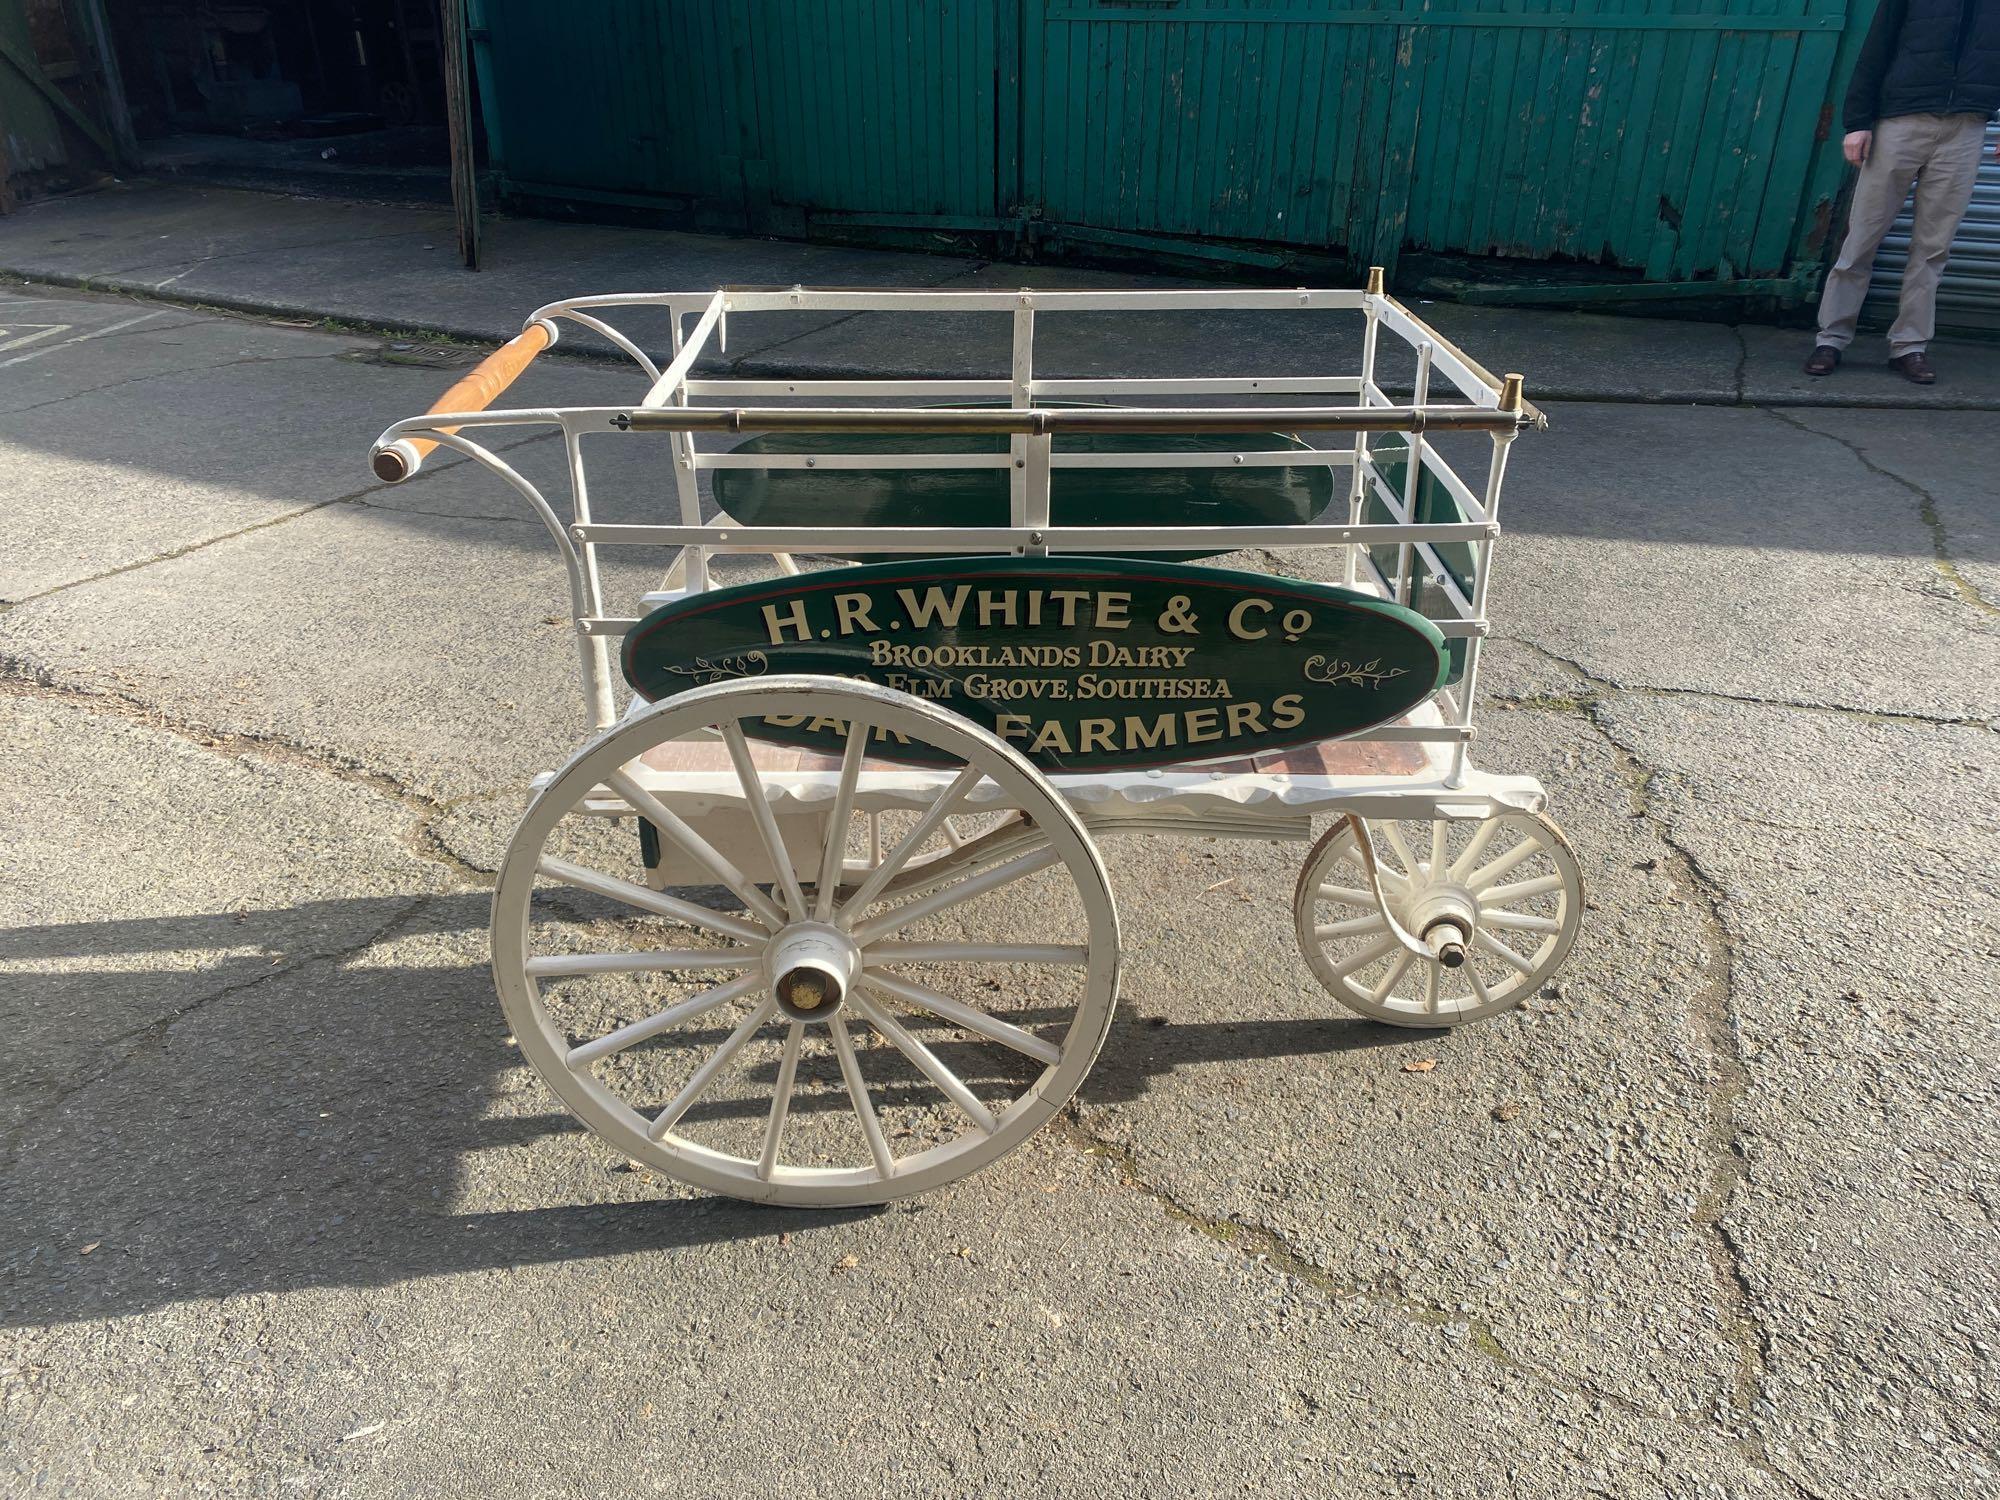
pixel 1084 663
pixel 1162 498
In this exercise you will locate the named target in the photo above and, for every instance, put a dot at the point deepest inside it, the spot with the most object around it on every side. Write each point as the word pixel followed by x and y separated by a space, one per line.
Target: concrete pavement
pixel 285 1214
pixel 392 266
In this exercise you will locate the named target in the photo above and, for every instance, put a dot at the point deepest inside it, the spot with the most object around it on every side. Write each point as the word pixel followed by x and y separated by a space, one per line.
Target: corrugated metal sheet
pixel 1651 134
pixel 1969 295
pixel 1681 139
pixel 880 106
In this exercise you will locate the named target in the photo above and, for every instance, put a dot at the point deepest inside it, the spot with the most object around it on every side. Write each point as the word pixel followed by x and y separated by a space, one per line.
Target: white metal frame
pixel 676 403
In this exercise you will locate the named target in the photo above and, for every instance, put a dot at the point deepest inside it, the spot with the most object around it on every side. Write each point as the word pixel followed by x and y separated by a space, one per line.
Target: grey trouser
pixel 1940 154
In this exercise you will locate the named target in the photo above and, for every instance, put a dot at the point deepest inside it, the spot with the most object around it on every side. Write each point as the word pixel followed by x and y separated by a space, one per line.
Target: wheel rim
pixel 849 1034
pixel 1511 883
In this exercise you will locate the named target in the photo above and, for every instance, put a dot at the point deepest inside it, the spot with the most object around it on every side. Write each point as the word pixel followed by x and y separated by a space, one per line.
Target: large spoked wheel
pixel 1498 899
pixel 834 1036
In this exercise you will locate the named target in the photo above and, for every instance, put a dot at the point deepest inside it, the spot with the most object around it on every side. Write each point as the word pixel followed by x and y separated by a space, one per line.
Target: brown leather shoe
pixel 1914 367
pixel 1824 360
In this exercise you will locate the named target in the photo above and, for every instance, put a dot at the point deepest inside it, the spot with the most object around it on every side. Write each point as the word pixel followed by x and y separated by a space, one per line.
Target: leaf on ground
pixel 1420 1065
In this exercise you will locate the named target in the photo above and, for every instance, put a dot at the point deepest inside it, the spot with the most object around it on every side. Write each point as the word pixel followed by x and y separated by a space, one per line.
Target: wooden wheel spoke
pixel 697 848
pixel 899 917
pixel 857 1094
pixel 1519 921
pixel 938 812
pixel 973 1019
pixel 1486 874
pixel 1392 830
pixel 635 1032
pixel 1362 957
pixel 835 853
pixel 1521 890
pixel 1392 880
pixel 705 1075
pixel 1487 943
pixel 1348 895
pixel 1479 990
pixel 926 1061
pixel 767 825
pixel 660 905
pixel 1386 986
pixel 1351 927
pixel 562 965
pixel 978 953
pixel 781 1101
pixel 1436 864
pixel 1476 846
pixel 1431 978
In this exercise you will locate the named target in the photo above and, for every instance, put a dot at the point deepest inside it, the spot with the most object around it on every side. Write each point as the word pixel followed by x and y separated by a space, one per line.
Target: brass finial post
pixel 1511 398
pixel 1374 281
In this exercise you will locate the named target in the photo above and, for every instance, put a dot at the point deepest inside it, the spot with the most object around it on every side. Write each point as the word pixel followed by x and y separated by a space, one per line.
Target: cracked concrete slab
pixel 1732 552
pixel 432 648
pixel 163 872
pixel 1946 462
pixel 1853 862
pixel 377 1259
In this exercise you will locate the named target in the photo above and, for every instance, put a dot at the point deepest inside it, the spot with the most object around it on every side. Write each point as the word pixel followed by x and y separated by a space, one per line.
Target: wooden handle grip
pixel 481 386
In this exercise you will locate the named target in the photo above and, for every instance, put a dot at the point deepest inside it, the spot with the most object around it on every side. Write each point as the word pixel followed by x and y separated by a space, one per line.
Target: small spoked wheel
pixel 1495 902
pixel 842 1024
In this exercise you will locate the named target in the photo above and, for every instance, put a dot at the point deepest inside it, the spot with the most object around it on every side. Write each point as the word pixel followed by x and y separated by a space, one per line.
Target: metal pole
pixel 1511 399
pixel 1358 481
pixel 1413 473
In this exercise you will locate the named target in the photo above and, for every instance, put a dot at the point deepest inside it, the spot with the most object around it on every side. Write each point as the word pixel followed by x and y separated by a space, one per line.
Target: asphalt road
pixel 282 1212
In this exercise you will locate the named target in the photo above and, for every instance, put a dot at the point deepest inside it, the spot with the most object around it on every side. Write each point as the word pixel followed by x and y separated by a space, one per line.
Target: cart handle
pixel 478 389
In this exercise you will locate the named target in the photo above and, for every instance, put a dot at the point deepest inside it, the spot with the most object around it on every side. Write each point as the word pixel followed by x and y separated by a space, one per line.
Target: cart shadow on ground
pixel 291 1117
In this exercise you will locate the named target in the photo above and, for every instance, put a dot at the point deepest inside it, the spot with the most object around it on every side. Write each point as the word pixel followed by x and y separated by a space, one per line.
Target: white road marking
pixel 18 340
pixel 95 333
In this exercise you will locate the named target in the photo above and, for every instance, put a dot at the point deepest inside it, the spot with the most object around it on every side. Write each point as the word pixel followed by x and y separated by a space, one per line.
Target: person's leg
pixel 1944 190
pixel 1894 158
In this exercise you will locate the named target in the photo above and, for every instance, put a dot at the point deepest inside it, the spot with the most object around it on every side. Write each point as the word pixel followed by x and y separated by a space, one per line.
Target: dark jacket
pixel 1926 57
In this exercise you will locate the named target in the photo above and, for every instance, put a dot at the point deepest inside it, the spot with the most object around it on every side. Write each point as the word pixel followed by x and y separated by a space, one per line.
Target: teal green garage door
pixel 1681 139
pixel 1673 137
pixel 746 113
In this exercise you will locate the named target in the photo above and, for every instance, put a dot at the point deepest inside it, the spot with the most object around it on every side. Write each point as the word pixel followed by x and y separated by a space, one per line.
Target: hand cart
pixel 817 914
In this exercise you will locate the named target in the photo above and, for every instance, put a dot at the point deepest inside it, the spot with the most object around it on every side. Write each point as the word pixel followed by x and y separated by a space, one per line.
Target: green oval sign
pixel 1083 663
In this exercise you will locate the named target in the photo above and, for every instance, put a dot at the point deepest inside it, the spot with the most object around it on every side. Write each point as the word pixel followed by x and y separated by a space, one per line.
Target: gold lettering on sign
pixel 973 646
pixel 934 606
pixel 852 610
pixel 1239 627
pixel 794 618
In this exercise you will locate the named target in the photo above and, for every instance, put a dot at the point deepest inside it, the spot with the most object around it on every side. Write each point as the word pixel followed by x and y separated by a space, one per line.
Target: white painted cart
pixel 826 976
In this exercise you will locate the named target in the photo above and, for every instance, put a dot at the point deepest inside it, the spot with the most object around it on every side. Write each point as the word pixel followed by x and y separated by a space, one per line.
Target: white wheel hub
pixel 810 967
